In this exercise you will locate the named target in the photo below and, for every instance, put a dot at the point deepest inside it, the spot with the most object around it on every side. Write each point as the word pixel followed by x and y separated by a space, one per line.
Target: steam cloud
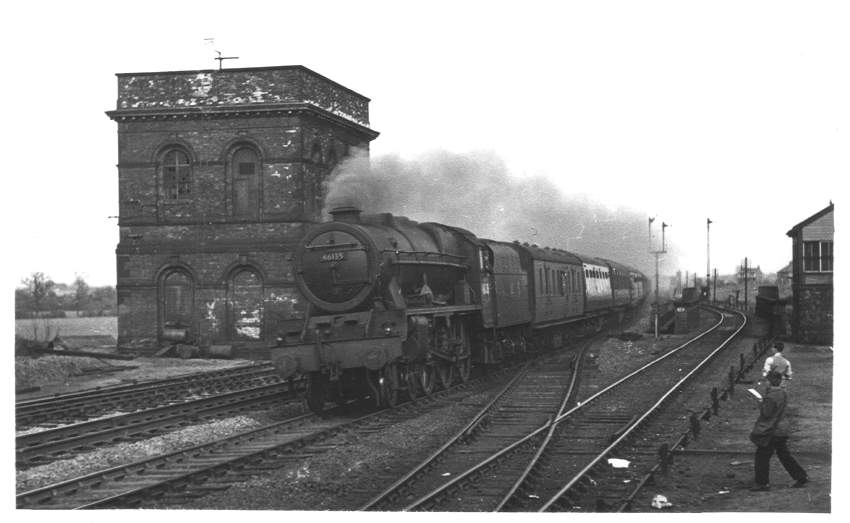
pixel 475 191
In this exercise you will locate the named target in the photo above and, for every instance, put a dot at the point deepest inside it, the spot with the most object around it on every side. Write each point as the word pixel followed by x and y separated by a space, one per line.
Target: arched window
pixel 177 300
pixel 245 169
pixel 316 153
pixel 176 175
pixel 245 300
pixel 245 162
pixel 332 161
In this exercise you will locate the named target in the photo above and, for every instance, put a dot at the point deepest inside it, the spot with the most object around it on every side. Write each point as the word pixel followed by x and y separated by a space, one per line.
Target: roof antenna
pixel 223 58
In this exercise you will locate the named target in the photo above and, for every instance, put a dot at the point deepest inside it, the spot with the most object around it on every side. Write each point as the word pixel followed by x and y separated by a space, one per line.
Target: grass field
pixel 46 328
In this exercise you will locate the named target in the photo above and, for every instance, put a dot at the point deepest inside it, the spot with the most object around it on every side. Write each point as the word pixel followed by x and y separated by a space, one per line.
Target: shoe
pixel 759 488
pixel 800 483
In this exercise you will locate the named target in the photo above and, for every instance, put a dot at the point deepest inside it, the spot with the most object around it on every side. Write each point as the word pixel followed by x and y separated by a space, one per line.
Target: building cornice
pixel 236 111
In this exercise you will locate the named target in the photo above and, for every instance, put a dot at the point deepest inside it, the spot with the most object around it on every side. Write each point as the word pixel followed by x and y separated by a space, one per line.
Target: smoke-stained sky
pixel 476 191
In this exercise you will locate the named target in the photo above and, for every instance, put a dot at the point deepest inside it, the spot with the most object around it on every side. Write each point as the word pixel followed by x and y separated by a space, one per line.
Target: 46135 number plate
pixel 333 256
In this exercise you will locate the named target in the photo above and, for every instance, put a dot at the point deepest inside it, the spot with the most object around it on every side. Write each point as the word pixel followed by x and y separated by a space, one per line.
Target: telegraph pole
pixel 714 294
pixel 746 274
pixel 708 255
pixel 657 253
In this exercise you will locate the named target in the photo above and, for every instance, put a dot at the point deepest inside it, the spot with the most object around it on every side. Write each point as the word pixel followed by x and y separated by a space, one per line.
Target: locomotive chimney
pixel 348 214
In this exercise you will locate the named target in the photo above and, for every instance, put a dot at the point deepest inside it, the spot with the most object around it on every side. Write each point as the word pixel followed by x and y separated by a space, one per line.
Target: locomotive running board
pixel 444 309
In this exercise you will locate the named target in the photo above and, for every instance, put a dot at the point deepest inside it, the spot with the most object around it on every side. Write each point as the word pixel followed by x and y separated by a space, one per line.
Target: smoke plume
pixel 475 191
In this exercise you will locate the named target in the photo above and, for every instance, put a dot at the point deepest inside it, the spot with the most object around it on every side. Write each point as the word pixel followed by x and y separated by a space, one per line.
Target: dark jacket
pixel 772 411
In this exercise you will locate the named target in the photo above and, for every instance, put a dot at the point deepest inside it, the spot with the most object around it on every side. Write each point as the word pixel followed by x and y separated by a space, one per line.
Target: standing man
pixel 770 434
pixel 776 362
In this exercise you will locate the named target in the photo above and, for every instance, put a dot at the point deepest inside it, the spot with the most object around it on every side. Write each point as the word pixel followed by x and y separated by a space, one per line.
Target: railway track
pixel 45 446
pixel 191 472
pixel 184 475
pixel 527 402
pixel 78 406
pixel 545 467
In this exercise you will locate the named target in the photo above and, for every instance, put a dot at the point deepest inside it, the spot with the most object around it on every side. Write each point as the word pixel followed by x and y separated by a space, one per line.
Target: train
pixel 400 308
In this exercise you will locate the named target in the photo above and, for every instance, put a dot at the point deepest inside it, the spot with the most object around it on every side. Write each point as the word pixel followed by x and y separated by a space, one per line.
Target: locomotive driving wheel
pixel 389 383
pixel 464 367
pixel 445 373
pixel 412 383
pixel 425 377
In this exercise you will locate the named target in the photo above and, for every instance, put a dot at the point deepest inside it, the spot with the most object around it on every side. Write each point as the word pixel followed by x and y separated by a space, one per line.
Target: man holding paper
pixel 770 434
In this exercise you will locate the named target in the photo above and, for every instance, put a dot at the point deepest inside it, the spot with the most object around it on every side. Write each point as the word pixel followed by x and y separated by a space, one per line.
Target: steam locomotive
pixel 398 307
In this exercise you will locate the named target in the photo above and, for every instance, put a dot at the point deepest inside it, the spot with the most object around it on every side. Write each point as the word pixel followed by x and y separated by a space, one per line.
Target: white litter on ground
pixel 660 501
pixel 618 463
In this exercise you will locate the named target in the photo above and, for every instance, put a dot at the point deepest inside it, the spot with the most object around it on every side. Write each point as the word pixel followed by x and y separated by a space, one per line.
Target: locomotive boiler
pixel 399 307
pixel 389 300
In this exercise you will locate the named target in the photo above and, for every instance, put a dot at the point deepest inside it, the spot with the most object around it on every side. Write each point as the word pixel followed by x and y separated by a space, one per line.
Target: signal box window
pixel 817 256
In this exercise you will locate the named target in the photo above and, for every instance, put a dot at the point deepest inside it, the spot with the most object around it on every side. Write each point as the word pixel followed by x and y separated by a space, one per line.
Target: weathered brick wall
pixel 812 320
pixel 288 179
pixel 299 123
pixel 137 316
pixel 139 308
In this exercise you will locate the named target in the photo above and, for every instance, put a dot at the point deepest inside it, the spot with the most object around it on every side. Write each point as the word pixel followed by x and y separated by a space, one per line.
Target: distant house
pixel 754 274
pixel 811 277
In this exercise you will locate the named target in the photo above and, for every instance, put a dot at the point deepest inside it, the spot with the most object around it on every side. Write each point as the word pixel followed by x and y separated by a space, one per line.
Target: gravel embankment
pixel 356 464
pixel 126 452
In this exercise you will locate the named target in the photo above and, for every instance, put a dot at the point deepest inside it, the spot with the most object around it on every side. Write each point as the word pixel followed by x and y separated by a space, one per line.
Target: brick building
pixel 811 279
pixel 220 171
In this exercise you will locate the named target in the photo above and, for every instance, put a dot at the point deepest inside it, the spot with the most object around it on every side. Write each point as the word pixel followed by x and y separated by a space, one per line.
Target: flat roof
pixel 247 70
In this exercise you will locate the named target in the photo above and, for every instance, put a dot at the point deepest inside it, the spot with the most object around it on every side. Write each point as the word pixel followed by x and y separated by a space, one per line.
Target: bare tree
pixel 81 293
pixel 40 288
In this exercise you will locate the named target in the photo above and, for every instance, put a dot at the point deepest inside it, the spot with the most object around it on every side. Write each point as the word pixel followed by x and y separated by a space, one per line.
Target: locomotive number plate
pixel 333 256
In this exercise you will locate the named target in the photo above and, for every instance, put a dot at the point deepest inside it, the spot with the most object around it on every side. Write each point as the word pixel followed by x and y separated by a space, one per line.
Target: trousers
pixel 762 461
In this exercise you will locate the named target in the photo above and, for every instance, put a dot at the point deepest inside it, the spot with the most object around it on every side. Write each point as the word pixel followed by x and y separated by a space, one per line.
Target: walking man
pixel 770 434
pixel 776 362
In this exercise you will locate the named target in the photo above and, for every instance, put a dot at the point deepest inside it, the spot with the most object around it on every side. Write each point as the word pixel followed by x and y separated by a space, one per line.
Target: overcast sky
pixel 736 111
